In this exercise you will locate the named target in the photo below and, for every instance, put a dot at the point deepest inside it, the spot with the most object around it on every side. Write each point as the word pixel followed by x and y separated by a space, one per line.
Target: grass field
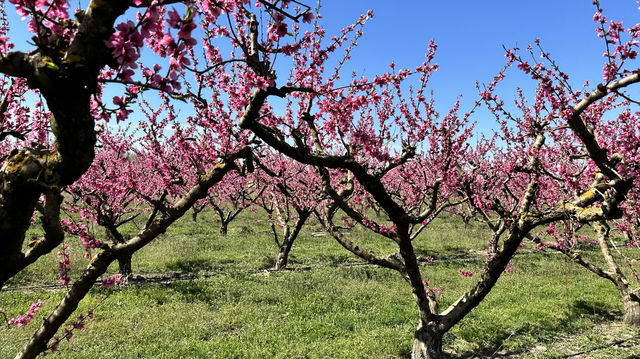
pixel 328 304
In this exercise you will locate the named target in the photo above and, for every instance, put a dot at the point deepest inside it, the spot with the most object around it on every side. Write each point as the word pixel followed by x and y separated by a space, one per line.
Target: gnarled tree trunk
pixel 427 344
pixel 283 255
pixel 288 238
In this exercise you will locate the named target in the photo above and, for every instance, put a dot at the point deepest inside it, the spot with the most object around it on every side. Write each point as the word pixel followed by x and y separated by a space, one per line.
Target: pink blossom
pixel 24 319
pixel 117 279
pixel 307 17
pixel 509 268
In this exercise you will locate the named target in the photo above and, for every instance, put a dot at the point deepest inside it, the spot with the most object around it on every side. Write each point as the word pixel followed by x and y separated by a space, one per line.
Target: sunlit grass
pixel 328 306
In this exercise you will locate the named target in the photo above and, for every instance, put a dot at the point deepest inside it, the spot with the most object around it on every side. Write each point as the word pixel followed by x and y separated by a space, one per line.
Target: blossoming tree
pixel 228 199
pixel 293 193
pixel 596 161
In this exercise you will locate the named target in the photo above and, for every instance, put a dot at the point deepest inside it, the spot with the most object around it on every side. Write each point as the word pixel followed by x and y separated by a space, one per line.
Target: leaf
pixel 188 14
pixel 52 65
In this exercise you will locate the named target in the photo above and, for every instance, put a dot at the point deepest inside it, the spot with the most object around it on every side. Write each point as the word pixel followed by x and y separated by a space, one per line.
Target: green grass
pixel 326 307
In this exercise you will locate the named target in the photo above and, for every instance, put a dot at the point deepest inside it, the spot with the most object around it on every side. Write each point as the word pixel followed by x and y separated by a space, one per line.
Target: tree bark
pixel 224 228
pixel 427 344
pixel 124 265
pixel 289 238
pixel 13 260
pixel 631 309
pixel 283 256
pixel 124 261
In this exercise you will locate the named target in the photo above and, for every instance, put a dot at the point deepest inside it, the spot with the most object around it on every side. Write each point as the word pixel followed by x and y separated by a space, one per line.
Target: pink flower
pixel 118 100
pixel 307 17
pixel 509 268
pixel 281 29
pixel 174 18
pixel 524 66
pixel 117 279
pixel 597 16
pixel 185 30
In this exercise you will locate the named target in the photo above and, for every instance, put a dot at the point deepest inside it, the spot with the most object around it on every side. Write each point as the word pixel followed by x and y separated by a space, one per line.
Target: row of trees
pixel 210 135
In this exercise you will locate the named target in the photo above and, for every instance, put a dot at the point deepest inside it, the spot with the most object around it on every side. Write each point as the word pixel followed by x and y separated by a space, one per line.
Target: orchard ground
pixel 204 295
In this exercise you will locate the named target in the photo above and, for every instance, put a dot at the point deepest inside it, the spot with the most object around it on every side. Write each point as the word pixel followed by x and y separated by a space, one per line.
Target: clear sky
pixel 470 35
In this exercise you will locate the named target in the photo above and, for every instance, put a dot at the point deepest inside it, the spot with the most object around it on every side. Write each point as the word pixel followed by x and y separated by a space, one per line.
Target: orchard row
pixel 204 117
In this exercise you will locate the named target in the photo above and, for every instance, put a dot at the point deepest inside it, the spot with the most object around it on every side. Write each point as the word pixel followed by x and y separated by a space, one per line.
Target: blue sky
pixel 470 35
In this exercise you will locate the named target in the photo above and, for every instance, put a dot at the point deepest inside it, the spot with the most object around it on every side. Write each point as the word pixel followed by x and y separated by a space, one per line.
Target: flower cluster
pixel 64 265
pixel 426 260
pixel 428 289
pixel 88 240
pixel 117 279
pixel 24 319
pixel 45 17
pixel 509 268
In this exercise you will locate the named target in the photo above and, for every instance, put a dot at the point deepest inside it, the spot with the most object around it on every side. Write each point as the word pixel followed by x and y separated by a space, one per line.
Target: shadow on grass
pixel 203 292
pixel 579 309
pixel 622 342
pixel 595 311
